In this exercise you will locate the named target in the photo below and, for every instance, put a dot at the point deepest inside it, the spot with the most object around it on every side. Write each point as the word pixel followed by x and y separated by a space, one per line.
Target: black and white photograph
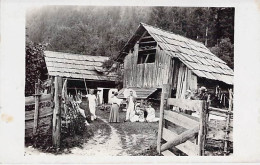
pixel 129 81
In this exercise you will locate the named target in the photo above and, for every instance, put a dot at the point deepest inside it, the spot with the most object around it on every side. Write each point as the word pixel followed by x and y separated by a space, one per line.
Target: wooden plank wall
pixel 147 75
pixel 44 121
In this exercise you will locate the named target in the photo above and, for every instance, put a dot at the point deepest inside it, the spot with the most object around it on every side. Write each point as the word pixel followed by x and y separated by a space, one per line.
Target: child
pixel 151 114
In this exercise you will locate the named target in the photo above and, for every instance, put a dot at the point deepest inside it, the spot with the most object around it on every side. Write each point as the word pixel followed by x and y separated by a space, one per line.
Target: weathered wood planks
pixel 195 105
pixel 147 75
pixel 168 153
pixel 183 137
pixel 43 112
pixel 179 119
pixel 56 127
pixel 31 99
pixel 187 147
pixel 160 128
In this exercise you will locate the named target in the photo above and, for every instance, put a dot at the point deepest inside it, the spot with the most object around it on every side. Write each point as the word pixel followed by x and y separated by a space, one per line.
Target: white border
pixel 246 88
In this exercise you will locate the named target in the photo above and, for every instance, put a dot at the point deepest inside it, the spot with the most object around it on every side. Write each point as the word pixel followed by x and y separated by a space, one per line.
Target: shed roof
pixel 77 66
pixel 142 93
pixel 195 55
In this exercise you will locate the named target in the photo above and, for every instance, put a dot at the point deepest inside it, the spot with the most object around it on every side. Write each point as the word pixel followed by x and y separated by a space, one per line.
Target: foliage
pixel 225 51
pixel 105 30
pixel 108 64
pixel 35 66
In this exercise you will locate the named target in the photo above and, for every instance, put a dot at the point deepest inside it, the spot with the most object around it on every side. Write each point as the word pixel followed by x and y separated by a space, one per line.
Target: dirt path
pixel 105 142
pixel 113 139
pixel 99 145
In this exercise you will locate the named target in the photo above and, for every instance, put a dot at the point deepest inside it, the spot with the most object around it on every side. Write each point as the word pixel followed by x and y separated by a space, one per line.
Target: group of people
pixel 136 112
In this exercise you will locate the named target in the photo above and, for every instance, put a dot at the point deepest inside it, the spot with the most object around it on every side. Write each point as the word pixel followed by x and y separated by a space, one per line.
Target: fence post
pixel 202 130
pixel 228 122
pixel 36 107
pixel 160 128
pixel 56 128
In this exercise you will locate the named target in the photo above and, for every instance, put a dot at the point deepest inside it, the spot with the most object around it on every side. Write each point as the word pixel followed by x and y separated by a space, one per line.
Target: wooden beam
pixel 168 153
pixel 56 128
pixel 146 50
pixel 194 105
pixel 36 107
pixel 228 122
pixel 160 128
pixel 183 137
pixel 31 99
pixel 147 37
pixel 146 58
pixel 187 147
pixel 142 36
pixel 220 110
pixel 43 112
pixel 147 42
pixel 179 119
pixel 202 130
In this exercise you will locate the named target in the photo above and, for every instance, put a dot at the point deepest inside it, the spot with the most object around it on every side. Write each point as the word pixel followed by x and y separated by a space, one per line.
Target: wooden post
pixel 228 123
pixel 160 128
pixel 167 94
pixel 36 107
pixel 202 130
pixel 52 86
pixel 56 128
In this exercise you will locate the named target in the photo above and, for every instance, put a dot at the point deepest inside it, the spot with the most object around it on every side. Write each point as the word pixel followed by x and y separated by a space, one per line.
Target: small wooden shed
pixel 153 57
pixel 81 71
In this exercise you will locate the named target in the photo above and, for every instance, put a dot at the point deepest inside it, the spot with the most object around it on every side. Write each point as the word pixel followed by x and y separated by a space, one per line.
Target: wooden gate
pixel 191 140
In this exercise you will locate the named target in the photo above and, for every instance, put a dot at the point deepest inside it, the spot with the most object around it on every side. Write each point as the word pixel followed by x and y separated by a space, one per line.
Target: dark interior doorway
pixel 105 95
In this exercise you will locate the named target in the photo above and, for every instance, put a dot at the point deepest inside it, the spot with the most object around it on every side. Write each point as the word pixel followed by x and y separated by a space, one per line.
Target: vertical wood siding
pixel 147 75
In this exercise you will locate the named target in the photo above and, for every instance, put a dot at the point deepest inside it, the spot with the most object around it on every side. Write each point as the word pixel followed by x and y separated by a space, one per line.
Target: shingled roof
pixel 77 66
pixel 195 55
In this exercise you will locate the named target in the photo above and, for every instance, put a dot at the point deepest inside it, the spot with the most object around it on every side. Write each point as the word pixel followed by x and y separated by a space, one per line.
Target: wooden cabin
pixel 153 57
pixel 82 71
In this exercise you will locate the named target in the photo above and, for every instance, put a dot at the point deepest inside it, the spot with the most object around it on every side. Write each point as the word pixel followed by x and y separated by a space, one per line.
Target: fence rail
pixel 192 138
pixel 38 121
pixel 30 100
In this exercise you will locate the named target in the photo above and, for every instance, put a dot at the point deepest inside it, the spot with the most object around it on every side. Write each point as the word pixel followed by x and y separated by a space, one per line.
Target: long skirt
pixel 114 114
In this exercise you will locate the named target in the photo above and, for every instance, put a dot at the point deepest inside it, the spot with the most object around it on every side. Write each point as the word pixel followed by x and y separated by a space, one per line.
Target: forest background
pixel 103 31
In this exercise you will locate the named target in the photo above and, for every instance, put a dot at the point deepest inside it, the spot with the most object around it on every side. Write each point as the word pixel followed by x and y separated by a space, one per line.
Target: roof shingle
pixel 76 66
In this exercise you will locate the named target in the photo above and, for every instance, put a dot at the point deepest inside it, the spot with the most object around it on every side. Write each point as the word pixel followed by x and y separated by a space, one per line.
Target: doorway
pixel 105 95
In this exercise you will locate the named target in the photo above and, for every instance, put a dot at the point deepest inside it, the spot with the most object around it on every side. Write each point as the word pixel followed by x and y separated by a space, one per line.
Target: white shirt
pixel 116 100
pixel 91 99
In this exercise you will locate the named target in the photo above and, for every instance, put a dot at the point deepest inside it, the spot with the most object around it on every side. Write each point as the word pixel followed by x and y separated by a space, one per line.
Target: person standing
pixel 92 103
pixel 130 105
pixel 114 112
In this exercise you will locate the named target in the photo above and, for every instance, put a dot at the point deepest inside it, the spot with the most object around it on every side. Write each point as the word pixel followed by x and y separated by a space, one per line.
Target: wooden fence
pixel 45 117
pixel 191 138
pixel 38 120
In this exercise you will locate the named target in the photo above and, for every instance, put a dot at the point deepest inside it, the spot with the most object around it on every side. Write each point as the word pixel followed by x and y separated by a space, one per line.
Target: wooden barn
pixel 153 57
pixel 82 71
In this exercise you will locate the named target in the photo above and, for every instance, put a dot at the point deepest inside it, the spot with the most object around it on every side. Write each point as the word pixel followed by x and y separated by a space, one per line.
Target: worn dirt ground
pixel 114 139
pixel 124 138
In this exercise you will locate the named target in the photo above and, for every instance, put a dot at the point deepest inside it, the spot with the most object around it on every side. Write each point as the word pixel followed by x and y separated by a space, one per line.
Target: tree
pixel 225 51
pixel 35 66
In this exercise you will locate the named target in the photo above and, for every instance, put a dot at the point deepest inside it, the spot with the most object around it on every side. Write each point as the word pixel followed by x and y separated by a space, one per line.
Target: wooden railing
pixel 39 119
pixel 193 128
pixel 192 139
